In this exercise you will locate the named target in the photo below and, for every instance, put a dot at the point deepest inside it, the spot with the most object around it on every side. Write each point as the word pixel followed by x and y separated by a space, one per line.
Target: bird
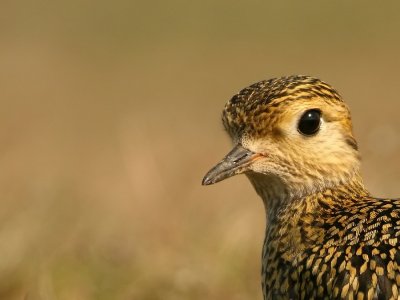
pixel 326 236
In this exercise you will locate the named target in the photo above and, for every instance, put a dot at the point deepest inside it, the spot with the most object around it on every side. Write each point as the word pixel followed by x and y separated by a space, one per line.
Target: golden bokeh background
pixel 110 117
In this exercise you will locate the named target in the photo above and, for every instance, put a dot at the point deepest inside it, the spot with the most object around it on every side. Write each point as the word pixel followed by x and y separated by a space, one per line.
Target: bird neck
pixel 294 223
pixel 280 199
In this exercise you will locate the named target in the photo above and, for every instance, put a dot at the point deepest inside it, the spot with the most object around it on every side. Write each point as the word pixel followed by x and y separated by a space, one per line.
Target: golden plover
pixel 326 237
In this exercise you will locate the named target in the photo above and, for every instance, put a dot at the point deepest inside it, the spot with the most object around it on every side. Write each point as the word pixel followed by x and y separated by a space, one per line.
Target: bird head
pixel 292 134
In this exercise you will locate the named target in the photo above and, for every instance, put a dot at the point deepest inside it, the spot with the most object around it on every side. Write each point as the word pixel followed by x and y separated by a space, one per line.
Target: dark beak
pixel 236 162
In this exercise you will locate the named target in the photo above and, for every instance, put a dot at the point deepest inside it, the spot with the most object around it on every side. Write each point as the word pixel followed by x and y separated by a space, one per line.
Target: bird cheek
pixel 261 165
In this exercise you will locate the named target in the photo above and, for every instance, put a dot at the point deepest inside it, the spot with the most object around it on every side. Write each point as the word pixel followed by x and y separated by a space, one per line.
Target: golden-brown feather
pixel 326 237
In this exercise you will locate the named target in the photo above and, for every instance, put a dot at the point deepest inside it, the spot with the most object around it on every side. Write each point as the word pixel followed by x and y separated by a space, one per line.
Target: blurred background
pixel 110 117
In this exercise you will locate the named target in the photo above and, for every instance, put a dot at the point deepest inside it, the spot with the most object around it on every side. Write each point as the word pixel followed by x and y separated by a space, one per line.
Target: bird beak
pixel 235 162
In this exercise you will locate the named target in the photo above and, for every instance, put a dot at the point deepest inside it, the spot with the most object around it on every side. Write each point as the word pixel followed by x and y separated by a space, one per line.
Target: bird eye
pixel 309 122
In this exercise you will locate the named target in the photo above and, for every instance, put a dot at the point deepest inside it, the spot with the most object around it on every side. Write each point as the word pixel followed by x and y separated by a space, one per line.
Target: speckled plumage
pixel 266 97
pixel 326 237
pixel 337 244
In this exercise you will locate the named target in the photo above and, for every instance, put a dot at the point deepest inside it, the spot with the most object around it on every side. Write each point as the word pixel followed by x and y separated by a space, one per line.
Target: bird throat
pixel 278 196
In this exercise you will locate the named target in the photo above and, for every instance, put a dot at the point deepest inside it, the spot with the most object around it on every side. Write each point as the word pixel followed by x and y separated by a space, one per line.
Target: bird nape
pixel 326 236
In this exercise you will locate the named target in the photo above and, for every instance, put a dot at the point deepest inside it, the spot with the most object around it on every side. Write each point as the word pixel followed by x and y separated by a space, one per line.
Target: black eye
pixel 309 122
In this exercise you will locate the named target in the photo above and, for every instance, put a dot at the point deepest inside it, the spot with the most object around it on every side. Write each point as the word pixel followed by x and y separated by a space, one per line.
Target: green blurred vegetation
pixel 110 118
